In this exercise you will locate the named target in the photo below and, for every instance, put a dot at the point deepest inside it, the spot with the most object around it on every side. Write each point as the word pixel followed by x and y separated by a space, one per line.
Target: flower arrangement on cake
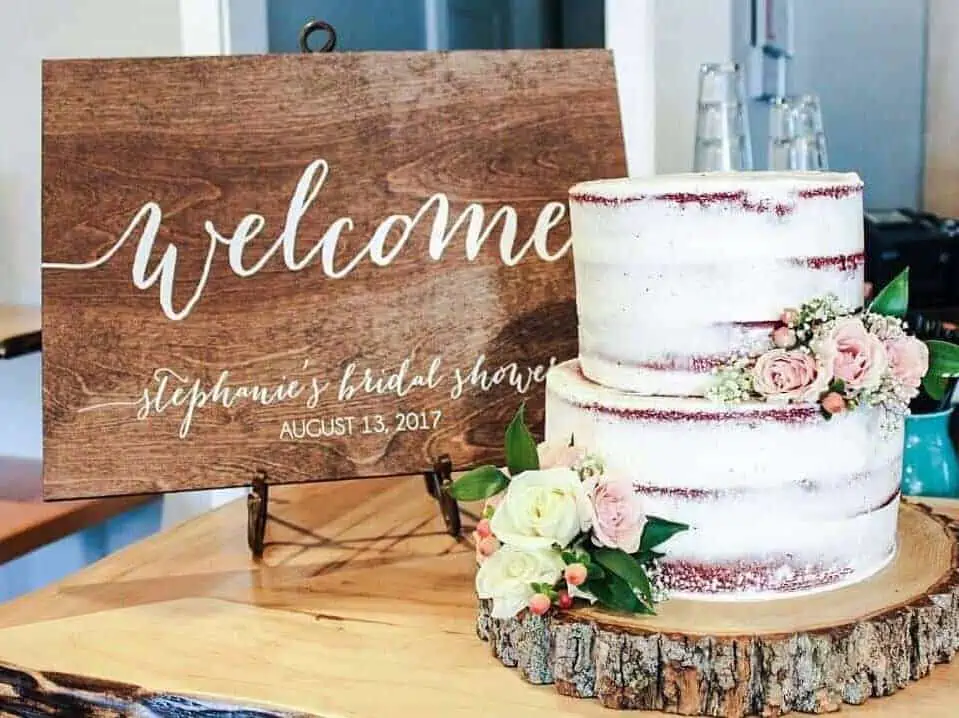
pixel 557 527
pixel 839 358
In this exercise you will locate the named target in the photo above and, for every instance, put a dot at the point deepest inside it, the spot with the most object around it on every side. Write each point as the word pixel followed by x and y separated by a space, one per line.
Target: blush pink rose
pixel 858 357
pixel 908 360
pixel 618 519
pixel 559 454
pixel 782 375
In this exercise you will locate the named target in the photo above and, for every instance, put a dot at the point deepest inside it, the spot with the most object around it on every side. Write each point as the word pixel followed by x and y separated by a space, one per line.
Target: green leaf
pixel 838 386
pixel 627 568
pixel 520 446
pixel 943 358
pixel 546 589
pixel 935 385
pixel 893 300
pixel 615 594
pixel 478 484
pixel 569 557
pixel 594 571
pixel 658 531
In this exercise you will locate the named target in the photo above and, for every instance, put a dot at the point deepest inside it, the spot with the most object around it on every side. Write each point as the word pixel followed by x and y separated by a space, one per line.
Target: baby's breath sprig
pixel 815 313
pixel 883 326
pixel 733 383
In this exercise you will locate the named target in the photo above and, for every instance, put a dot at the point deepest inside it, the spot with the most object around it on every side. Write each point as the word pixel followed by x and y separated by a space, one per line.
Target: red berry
pixel 565 601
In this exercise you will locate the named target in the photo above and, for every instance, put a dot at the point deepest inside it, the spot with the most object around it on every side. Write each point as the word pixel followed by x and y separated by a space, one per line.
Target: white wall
pixel 687 34
pixel 659 46
pixel 629 34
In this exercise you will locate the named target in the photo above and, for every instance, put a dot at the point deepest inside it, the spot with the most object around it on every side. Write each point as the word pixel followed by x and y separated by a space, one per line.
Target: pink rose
pixel 783 375
pixel 908 360
pixel 618 520
pixel 858 357
pixel 556 454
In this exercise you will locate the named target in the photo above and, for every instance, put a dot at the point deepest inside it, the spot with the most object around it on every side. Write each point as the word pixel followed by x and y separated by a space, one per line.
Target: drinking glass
pixel 796 137
pixel 722 126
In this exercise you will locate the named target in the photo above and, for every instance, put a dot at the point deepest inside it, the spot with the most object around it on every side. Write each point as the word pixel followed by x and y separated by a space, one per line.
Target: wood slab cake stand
pixel 809 654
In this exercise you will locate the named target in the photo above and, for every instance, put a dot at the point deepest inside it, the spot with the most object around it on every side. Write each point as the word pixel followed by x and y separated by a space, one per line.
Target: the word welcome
pixel 148 219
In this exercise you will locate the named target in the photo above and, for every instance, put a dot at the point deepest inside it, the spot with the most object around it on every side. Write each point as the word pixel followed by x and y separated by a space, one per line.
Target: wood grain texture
pixel 218 138
pixel 810 654
pixel 26 693
pixel 362 606
pixel 941 185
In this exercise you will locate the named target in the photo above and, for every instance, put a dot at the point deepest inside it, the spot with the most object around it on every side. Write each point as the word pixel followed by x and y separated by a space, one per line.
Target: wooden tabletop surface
pixel 362 606
pixel 26 522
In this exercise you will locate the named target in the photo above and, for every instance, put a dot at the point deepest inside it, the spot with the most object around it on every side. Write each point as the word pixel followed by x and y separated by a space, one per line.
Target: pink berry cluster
pixel 540 603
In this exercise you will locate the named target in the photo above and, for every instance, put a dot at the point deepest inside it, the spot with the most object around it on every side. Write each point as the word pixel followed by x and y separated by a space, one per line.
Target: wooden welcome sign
pixel 319 266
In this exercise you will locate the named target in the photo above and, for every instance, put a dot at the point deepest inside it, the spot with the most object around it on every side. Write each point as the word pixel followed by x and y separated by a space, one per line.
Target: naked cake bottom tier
pixel 779 500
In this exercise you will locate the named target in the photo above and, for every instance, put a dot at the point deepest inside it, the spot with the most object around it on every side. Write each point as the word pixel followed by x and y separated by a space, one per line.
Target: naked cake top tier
pixel 678 274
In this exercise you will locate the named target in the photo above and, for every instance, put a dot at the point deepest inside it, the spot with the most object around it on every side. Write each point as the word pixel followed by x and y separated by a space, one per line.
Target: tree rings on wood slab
pixel 807 654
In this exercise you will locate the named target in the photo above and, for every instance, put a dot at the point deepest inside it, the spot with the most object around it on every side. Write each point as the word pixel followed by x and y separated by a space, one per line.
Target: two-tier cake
pixel 676 277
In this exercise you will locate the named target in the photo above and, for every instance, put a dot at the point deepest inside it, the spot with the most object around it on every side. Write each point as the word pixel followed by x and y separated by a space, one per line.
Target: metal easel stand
pixel 437 480
pixel 437 483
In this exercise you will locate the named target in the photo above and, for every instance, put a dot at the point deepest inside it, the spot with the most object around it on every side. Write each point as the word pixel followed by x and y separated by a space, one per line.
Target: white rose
pixel 507 575
pixel 542 508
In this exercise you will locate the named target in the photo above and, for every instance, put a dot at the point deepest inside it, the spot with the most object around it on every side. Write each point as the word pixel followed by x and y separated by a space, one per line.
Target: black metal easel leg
pixel 257 504
pixel 437 481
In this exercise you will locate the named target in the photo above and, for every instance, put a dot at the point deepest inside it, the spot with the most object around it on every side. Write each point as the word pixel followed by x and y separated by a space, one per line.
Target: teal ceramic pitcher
pixel 929 466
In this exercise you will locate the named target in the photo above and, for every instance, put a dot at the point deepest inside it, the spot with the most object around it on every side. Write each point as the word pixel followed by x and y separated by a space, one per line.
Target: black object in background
pixel 927 244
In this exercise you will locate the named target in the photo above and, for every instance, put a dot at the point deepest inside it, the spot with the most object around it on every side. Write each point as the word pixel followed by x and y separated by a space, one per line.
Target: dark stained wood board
pixel 216 139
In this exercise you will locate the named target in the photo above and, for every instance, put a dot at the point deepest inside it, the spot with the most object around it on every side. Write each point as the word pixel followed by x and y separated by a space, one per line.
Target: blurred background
pixel 884 74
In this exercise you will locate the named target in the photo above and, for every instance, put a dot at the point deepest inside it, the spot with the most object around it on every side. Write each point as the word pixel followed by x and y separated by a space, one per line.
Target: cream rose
pixel 858 357
pixel 553 454
pixel 908 360
pixel 542 508
pixel 507 575
pixel 618 519
pixel 782 375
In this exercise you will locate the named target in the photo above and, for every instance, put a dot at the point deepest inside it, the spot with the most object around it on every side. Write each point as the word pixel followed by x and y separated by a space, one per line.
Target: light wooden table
pixel 27 522
pixel 362 607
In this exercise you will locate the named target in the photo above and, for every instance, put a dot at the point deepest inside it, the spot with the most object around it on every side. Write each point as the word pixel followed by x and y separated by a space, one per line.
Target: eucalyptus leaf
pixel 478 484
pixel 658 531
pixel 893 300
pixel 627 568
pixel 521 452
